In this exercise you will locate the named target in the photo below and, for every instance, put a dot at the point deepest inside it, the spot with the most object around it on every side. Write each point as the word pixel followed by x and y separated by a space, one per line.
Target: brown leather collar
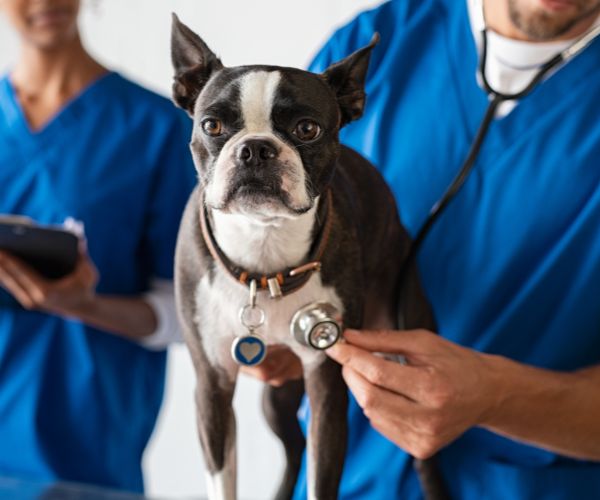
pixel 281 283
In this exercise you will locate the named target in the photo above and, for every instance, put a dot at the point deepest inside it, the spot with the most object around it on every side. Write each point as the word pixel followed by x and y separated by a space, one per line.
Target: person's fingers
pixel 402 379
pixel 419 445
pixel 279 366
pixel 277 379
pixel 12 286
pixel 289 373
pixel 279 348
pixel 371 397
pixel 412 427
pixel 393 341
pixel 85 273
pixel 387 406
pixel 24 273
pixel 257 372
pixel 31 281
pixel 26 284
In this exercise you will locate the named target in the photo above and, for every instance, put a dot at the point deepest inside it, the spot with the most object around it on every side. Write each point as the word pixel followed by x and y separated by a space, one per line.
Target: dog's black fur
pixel 363 260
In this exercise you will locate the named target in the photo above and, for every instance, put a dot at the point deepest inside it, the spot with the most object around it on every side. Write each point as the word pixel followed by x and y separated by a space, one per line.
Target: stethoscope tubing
pixel 495 99
pixel 429 474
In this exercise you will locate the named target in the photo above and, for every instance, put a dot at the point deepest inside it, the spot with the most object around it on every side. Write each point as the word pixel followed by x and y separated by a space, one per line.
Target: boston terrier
pixel 284 222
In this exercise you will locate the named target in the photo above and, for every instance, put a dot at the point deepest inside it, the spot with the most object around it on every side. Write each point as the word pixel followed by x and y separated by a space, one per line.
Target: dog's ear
pixel 347 78
pixel 194 63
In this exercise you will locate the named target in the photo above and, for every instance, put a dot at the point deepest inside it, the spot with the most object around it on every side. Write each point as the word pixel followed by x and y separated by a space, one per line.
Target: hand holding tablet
pixel 49 250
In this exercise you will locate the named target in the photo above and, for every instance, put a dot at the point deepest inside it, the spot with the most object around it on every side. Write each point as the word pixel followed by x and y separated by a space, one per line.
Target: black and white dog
pixel 283 209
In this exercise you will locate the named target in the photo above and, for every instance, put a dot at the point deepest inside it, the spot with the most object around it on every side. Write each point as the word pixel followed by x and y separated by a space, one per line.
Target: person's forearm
pixel 74 296
pixel 133 317
pixel 557 411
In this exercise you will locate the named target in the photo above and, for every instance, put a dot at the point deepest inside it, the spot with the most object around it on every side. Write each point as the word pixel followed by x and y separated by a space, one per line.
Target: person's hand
pixel 441 391
pixel 279 366
pixel 66 296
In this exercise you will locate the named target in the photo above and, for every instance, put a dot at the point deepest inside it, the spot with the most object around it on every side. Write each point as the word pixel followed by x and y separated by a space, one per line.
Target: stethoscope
pixel 495 99
pixel 318 325
pixel 309 320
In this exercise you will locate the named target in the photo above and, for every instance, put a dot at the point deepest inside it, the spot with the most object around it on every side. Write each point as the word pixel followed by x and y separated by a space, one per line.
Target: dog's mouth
pixel 253 195
pixel 251 192
pixel 254 189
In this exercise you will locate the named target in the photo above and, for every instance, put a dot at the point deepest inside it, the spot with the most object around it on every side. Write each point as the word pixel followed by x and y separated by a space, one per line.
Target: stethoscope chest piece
pixel 317 325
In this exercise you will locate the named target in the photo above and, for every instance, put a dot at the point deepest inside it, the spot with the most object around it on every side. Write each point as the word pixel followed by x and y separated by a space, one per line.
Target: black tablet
pixel 52 252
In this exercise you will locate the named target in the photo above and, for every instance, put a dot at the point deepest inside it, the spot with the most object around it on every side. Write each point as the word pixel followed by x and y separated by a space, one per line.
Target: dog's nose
pixel 255 151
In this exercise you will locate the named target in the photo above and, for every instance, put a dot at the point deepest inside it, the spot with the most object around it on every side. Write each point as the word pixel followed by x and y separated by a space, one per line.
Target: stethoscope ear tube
pixel 493 93
pixel 458 180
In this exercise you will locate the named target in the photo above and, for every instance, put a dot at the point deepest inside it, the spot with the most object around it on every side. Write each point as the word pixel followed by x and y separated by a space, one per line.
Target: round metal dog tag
pixel 249 350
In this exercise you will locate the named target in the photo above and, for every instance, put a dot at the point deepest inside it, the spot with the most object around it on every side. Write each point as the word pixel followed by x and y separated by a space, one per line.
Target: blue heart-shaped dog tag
pixel 249 350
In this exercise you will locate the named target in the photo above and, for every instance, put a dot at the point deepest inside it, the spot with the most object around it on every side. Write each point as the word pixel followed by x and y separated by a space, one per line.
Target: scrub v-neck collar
pixel 69 113
pixel 548 96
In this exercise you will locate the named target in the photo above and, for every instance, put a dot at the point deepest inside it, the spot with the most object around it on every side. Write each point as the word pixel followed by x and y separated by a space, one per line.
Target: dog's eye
pixel 307 130
pixel 212 127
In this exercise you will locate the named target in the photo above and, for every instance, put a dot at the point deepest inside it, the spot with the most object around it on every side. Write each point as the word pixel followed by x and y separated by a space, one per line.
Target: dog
pixel 283 216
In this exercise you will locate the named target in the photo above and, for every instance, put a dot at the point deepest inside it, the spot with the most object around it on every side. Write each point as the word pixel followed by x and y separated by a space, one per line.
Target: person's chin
pixel 51 37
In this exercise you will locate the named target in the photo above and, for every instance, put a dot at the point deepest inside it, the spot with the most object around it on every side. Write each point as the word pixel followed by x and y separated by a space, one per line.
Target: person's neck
pixel 498 19
pixel 60 72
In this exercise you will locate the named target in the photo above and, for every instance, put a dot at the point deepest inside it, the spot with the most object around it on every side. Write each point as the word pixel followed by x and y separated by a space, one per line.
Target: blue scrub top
pixel 513 266
pixel 76 403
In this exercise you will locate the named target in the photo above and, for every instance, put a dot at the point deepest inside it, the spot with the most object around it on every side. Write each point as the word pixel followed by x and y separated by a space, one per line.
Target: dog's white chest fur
pixel 219 304
pixel 264 248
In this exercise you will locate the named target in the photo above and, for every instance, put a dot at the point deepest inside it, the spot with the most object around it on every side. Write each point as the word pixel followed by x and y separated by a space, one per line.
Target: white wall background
pixel 132 36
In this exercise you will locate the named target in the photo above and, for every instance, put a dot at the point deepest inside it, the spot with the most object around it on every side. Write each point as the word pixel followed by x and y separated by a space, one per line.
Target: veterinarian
pixel 82 359
pixel 508 393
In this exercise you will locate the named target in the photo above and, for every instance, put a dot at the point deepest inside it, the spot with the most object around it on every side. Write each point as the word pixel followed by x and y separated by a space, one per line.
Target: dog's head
pixel 265 139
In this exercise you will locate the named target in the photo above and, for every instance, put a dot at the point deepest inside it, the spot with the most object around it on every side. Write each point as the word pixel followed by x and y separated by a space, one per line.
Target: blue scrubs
pixel 76 403
pixel 513 266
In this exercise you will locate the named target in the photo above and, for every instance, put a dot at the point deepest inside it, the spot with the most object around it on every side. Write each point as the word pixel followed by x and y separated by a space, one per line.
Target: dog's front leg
pixel 280 406
pixel 327 433
pixel 217 430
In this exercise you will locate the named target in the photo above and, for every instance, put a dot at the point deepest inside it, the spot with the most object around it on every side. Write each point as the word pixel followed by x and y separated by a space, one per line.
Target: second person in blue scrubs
pixel 82 359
